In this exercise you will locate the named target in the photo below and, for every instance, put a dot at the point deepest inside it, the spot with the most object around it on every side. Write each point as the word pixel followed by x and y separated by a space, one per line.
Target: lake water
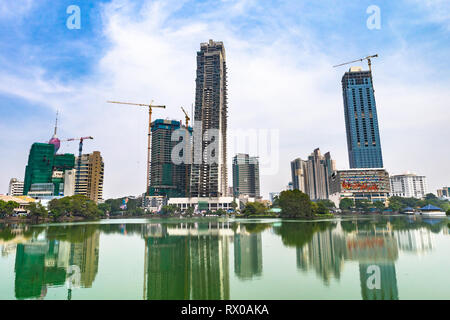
pixel 371 257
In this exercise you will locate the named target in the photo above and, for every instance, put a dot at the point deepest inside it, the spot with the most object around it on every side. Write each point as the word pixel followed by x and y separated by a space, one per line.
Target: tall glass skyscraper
pixel 361 121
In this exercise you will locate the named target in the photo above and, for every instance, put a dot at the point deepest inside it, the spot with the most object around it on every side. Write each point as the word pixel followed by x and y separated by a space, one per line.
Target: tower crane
pixel 368 58
pixel 150 107
pixel 369 62
pixel 186 139
pixel 80 152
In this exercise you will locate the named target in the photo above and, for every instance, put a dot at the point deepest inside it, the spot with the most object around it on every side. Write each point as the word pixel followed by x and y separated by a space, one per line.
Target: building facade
pixel 91 175
pixel 359 184
pixel 44 173
pixel 409 185
pixel 312 176
pixel 444 192
pixel 246 176
pixel 209 170
pixel 361 120
pixel 15 187
pixel 168 178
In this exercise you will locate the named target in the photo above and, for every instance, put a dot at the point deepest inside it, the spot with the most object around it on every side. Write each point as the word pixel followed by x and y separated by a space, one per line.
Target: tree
pixel 295 203
pixel 346 204
pixel 190 211
pixel 37 210
pixel 395 204
pixel 379 205
pixel 234 205
pixel 254 208
pixel 169 210
pixel 7 208
pixel 448 212
pixel 327 203
pixel 363 204
pixel 275 202
pixel 319 208
pixel 221 212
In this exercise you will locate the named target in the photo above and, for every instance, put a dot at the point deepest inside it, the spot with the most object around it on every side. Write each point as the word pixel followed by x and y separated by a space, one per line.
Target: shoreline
pixel 24 220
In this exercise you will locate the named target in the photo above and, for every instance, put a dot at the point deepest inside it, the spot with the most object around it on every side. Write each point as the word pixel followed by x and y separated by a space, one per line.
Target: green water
pixel 345 258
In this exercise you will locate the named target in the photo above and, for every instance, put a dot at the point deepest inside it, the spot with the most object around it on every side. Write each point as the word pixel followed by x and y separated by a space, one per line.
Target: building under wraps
pixel 45 171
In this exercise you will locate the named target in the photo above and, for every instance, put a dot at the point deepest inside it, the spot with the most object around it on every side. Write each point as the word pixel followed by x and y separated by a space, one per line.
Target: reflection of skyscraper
pixel 325 253
pixel 85 255
pixel 36 268
pixel 385 289
pixel 188 264
pixel 247 255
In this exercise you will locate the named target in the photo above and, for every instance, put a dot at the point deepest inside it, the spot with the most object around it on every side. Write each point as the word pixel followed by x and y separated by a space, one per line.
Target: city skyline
pixel 299 80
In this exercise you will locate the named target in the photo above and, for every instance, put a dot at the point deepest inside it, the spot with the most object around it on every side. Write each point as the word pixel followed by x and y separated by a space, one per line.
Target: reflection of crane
pixel 150 106
pixel 359 60
pixel 80 151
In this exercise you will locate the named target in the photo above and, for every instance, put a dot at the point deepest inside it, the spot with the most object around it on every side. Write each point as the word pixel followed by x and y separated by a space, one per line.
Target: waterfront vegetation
pixel 7 208
pixel 395 204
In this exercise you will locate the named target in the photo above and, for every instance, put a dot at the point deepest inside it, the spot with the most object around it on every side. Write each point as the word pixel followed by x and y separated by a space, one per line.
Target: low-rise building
pixel 359 184
pixel 203 204
pixel 409 185
pixel 444 192
pixel 23 202
pixel 153 203
pixel 15 187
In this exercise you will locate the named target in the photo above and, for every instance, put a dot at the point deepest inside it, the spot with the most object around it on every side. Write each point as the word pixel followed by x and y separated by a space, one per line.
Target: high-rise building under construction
pixel 44 173
pixel 168 178
pixel 91 173
pixel 209 169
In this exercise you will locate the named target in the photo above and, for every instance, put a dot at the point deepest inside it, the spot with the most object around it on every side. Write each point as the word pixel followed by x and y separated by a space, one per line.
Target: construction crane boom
pixel 80 152
pixel 186 116
pixel 150 107
pixel 368 58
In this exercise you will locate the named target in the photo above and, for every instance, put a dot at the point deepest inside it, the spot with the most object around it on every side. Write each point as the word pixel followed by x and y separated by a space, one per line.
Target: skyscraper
pixel 91 176
pixel 167 178
pixel 312 176
pixel 245 176
pixel 361 121
pixel 209 173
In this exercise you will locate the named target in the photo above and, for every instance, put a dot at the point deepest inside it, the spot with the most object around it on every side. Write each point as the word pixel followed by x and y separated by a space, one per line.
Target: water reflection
pixel 191 260
pixel 66 254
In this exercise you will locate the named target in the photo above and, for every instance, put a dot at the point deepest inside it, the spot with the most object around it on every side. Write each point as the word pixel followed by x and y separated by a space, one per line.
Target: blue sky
pixel 279 56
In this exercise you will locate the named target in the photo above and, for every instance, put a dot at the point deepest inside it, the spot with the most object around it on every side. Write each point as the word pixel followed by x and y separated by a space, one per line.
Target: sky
pixel 281 83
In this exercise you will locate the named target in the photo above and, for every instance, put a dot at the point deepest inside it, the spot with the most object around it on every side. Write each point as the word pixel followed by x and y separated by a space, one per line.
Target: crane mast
pixel 149 147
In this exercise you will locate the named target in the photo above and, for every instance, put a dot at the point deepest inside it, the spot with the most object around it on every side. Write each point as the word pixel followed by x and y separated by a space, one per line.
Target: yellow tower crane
pixel 150 107
pixel 186 168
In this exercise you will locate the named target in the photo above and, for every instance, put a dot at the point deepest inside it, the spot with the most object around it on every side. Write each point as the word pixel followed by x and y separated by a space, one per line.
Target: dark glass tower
pixel 361 121
pixel 167 178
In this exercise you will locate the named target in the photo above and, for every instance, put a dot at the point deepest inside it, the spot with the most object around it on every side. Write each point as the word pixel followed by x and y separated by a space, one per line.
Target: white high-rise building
pixel 409 185
pixel 15 187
